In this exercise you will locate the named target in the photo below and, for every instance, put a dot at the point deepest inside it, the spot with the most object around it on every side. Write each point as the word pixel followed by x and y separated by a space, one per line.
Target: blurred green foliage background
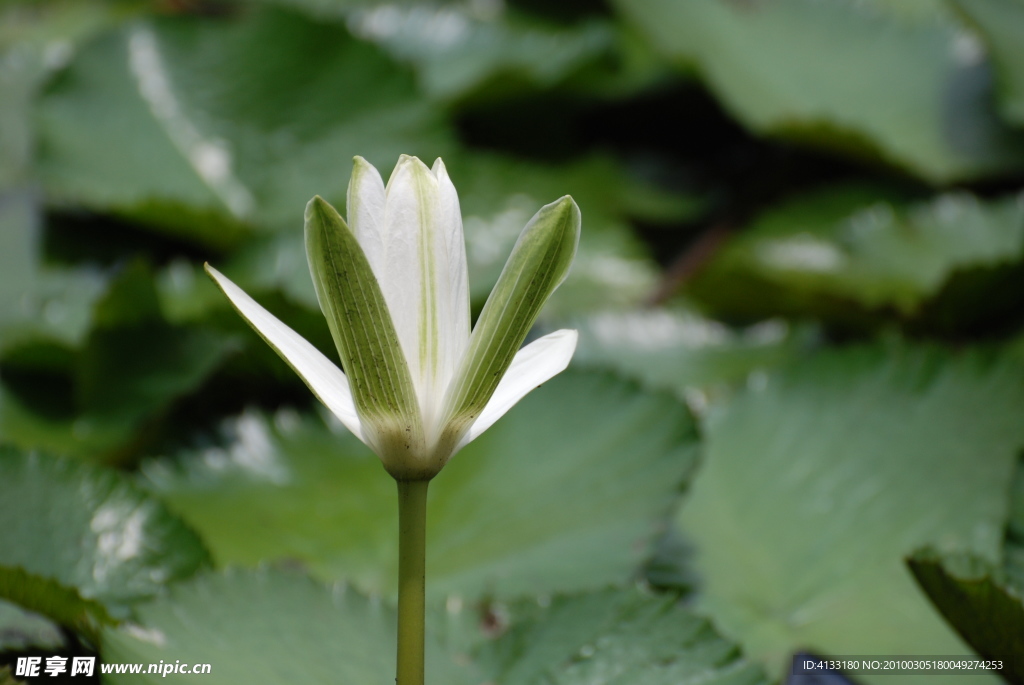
pixel 793 423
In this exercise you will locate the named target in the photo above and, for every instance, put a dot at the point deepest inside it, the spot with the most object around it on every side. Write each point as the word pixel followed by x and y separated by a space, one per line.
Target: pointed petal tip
pixel 564 212
pixel 415 162
pixel 359 163
pixel 312 206
pixel 409 170
pixel 213 273
pixel 405 160
pixel 563 215
pixel 566 203
pixel 319 208
pixel 563 343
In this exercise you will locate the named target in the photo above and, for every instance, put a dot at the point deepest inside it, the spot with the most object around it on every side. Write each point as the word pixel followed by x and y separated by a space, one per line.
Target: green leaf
pixel 269 627
pixel 60 603
pixel 819 480
pixel 22 630
pixel 19 231
pixel 118 384
pixel 195 127
pixel 614 637
pixel 893 87
pixel 854 257
pixel 56 307
pixel 333 9
pixel 1013 540
pixel 100 400
pixel 39 303
pixel 81 544
pixel 1000 23
pixel 133 363
pixel 538 264
pixel 679 350
pixel 601 462
pixel 19 78
pixel 30 426
pixel 978 602
pixel 482 55
pixel 35 40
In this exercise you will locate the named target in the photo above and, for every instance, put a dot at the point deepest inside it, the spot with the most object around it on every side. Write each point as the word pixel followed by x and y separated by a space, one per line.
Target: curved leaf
pixel 825 475
pixel 195 127
pixel 1000 23
pixel 268 627
pixel 615 637
pixel 978 602
pixel 855 257
pixel 81 544
pixel 679 350
pixel 898 88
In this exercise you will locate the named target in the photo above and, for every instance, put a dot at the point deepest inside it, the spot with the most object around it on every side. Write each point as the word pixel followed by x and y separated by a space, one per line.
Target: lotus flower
pixel 418 385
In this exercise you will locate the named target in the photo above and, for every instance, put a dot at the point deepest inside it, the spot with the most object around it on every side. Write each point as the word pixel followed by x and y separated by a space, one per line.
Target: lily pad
pixel 39 303
pixel 193 126
pixel 35 40
pixel 117 384
pixel 467 51
pixel 1013 539
pixel 21 630
pixel 268 627
pixel 62 604
pixel 564 493
pixel 679 350
pixel 826 474
pixel 271 626
pixel 615 637
pixel 19 229
pixel 1000 23
pixel 93 401
pixel 911 91
pixel 979 603
pixel 856 257
pixel 30 426
pixel 81 544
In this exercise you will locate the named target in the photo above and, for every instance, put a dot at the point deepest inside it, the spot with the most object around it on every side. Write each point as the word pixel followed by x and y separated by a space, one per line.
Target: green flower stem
pixel 412 551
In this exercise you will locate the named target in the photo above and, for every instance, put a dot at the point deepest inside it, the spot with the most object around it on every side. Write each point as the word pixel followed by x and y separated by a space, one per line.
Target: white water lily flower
pixel 392 282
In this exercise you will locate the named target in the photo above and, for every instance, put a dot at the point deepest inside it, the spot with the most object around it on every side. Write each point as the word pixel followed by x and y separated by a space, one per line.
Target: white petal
pixel 365 207
pixel 424 277
pixel 458 272
pixel 534 364
pixel 325 379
